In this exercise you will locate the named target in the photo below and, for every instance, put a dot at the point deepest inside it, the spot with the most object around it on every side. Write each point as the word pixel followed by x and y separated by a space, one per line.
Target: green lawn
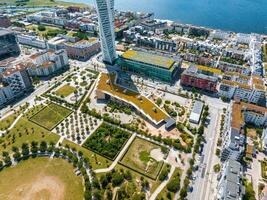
pixel 25 132
pixel 97 161
pixel 138 158
pixel 65 90
pixel 41 178
pixel 50 116
pixel 107 141
pixel 6 122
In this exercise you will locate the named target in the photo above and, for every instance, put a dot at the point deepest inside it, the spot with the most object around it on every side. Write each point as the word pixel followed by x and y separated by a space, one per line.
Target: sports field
pixel 41 178
pixel 138 158
pixel 50 116
pixel 65 91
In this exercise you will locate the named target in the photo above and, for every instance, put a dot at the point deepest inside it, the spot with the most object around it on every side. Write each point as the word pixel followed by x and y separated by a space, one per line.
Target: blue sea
pixel 234 15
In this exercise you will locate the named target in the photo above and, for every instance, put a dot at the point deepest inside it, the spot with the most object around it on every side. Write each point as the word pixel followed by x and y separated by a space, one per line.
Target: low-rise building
pixel 152 25
pixel 193 77
pixel 83 49
pixel 196 112
pixel 234 136
pixel 151 65
pixel 32 41
pixel 245 88
pixel 230 186
pixel 47 63
pixel 107 88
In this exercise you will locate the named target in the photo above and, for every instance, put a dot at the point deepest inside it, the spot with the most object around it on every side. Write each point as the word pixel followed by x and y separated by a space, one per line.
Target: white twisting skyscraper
pixel 105 10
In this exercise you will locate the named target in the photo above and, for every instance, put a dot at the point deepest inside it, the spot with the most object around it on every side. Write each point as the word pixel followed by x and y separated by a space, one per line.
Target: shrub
pixel 41 28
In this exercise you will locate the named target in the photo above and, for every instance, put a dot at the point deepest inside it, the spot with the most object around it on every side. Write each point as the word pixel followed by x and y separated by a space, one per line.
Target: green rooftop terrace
pixel 148 58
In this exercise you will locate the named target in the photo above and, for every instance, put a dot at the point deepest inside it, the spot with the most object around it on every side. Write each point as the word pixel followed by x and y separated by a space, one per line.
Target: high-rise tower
pixel 105 11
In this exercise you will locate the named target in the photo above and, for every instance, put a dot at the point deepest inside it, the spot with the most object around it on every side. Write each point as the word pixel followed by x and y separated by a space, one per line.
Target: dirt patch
pixel 42 188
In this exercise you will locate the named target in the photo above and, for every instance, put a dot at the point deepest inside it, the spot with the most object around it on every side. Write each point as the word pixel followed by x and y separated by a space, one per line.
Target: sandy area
pixel 42 188
pixel 157 154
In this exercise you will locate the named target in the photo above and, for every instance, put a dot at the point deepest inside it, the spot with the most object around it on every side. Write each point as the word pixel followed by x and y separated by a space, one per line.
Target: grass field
pixel 6 122
pixel 65 91
pixel 50 116
pixel 107 141
pixel 96 161
pixel 25 132
pixel 49 31
pixel 41 178
pixel 138 158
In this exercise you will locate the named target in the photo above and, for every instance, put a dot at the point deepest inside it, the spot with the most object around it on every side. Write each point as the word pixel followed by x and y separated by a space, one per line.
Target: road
pixel 202 185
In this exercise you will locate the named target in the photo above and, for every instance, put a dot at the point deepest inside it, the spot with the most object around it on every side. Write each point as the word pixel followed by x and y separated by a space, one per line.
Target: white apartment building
pixel 32 41
pixel 47 63
pixel 239 114
pixel 250 90
pixel 105 11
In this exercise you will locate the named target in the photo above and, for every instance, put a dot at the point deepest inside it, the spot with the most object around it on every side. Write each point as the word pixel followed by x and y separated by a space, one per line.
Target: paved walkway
pixel 111 167
pixel 162 185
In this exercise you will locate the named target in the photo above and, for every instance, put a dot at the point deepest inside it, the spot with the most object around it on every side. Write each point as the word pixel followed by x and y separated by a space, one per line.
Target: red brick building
pixel 192 78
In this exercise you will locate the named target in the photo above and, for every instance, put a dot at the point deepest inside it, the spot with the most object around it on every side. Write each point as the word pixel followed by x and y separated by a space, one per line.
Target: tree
pixel 41 28
pixel 117 179
pixel 164 174
pixel 104 181
pixel 87 195
pixel 43 146
pixel 174 184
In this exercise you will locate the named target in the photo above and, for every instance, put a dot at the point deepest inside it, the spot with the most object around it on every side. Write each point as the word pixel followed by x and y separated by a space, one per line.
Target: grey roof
pixel 231 191
pixel 169 123
pixel 198 106
pixel 4 32
pixel 192 71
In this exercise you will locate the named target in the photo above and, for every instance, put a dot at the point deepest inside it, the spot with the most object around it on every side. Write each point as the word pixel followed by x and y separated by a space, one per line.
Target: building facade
pixel 18 79
pixel 82 50
pixel 47 63
pixel 8 43
pixel 105 11
pixel 192 78
pixel 150 65
pixel 6 93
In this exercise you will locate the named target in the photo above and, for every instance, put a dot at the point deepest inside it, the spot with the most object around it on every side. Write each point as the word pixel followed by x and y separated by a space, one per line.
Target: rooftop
pixel 152 59
pixel 106 85
pixel 209 69
pixel 4 32
pixel 237 115
pixel 235 83
pixel 193 71
pixel 16 68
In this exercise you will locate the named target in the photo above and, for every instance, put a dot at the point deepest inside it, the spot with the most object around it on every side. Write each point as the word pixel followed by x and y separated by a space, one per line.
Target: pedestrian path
pixel 115 162
pixel 162 185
